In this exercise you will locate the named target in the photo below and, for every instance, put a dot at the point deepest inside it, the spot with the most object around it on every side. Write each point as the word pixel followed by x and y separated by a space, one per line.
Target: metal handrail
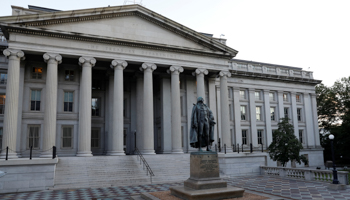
pixel 149 170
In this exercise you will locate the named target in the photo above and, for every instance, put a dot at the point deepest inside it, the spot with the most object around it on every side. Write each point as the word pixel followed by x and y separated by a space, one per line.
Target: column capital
pixel 225 73
pixel 150 66
pixel 88 60
pixel 14 52
pixel 175 69
pixel 119 64
pixel 52 56
pixel 200 71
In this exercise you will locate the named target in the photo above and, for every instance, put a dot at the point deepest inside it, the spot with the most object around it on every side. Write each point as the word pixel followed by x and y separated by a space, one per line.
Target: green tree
pixel 285 146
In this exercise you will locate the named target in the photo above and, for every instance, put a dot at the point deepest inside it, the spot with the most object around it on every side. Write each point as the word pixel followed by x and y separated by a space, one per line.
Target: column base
pixel 177 151
pixel 115 153
pixel 84 154
pixel 10 155
pixel 147 152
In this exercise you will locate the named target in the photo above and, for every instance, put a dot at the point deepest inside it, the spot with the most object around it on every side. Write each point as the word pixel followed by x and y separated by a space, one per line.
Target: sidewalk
pixel 277 187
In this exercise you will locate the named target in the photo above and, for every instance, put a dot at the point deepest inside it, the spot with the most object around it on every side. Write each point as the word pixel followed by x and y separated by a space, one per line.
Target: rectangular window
pixel 3 78
pixel 0 138
pixel 242 94
pixel 272 96
pixel 182 136
pixel 33 137
pixel 68 101
pixel 69 75
pixel 258 113
pixel 298 99
pixel 301 136
pixel 230 111
pixel 95 138
pixel 67 136
pixel 37 72
pixel 35 100
pixel 260 136
pixel 181 106
pixel 286 113
pixel 244 137
pixel 95 107
pixel 272 113
pixel 2 104
pixel 243 113
pixel 299 114
pixel 285 97
pixel 257 95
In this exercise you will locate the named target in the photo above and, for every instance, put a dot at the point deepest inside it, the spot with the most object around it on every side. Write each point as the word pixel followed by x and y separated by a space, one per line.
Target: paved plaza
pixel 278 187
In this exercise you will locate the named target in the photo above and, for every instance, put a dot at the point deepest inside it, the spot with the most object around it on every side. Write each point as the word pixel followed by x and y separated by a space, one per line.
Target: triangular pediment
pixel 131 24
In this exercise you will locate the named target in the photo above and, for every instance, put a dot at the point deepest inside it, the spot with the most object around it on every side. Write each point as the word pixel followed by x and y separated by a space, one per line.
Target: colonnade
pixel 145 123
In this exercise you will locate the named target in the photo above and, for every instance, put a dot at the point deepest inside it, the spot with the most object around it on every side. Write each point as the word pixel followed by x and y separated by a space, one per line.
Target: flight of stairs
pixel 109 171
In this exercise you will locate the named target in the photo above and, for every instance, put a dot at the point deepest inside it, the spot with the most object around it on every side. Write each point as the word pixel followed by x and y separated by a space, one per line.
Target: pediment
pixel 129 27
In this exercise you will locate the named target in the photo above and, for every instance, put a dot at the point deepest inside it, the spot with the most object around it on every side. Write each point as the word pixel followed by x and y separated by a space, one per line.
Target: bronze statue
pixel 202 125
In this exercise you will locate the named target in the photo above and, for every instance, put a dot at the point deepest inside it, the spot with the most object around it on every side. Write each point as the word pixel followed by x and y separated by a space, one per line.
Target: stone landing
pixel 205 182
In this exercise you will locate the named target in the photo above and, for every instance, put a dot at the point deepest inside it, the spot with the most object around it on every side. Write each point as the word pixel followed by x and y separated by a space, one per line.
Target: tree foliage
pixel 334 117
pixel 285 146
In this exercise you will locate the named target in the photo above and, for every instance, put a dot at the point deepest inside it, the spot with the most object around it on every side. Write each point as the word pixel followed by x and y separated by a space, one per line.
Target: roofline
pixel 255 62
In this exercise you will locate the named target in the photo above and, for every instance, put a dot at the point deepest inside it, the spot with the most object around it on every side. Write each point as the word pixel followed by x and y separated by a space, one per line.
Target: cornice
pixel 106 40
pixel 120 11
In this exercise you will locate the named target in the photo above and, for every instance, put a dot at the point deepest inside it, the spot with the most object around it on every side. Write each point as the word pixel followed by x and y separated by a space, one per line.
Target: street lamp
pixel 335 175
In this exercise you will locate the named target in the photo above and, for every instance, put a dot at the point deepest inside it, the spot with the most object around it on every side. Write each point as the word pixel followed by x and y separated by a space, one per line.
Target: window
pixel 35 100
pixel 260 136
pixel 301 136
pixel 182 136
pixel 0 138
pixel 37 72
pixel 68 101
pixel 2 104
pixel 257 95
pixel 286 113
pixel 3 78
pixel 95 107
pixel 230 111
pixel 243 113
pixel 242 94
pixel 244 137
pixel 258 113
pixel 69 75
pixel 298 98
pixel 34 137
pixel 285 97
pixel 67 136
pixel 272 96
pixel 95 138
pixel 272 113
pixel 299 114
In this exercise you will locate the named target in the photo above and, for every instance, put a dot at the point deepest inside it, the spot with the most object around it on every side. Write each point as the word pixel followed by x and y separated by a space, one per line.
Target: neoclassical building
pixel 103 81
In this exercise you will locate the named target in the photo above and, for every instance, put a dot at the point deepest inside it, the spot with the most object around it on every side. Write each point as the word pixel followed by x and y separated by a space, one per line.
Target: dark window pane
pixel 38 105
pixel 65 106
pixel 70 107
pixel 32 105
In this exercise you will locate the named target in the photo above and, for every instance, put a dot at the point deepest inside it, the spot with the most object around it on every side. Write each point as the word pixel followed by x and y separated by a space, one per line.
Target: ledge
pixel 26 161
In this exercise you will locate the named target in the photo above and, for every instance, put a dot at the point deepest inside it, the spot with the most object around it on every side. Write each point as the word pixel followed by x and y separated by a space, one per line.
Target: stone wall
pixel 23 175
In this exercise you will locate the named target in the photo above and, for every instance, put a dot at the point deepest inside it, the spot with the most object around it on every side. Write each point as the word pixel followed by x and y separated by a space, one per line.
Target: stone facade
pixel 100 81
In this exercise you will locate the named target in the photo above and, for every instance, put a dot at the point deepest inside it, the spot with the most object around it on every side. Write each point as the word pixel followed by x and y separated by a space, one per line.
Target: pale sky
pixel 310 34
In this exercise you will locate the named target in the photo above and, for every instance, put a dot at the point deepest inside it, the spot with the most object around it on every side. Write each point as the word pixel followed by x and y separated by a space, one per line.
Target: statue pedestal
pixel 205 182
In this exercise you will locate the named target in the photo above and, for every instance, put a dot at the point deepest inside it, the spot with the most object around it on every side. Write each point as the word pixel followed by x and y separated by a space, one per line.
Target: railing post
pixel 219 143
pixel 53 152
pixel 238 148
pixel 7 153
pixel 307 175
pixel 251 148
pixel 30 153
pixel 282 172
pixel 225 148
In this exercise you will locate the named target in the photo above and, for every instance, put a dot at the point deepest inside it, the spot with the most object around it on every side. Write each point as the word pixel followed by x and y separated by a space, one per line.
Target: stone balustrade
pixel 270 69
pixel 305 174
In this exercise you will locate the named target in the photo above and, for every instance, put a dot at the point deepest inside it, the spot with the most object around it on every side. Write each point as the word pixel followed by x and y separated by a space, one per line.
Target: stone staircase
pixel 109 171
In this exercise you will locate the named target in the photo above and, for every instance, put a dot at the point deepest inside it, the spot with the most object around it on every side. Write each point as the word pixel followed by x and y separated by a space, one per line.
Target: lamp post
pixel 335 175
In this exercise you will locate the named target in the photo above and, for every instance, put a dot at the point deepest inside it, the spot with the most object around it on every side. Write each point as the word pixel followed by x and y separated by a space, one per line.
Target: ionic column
pixel 294 114
pixel 49 134
pixel 267 118
pixel 84 148
pixel 11 103
pixel 225 115
pixel 148 121
pixel 118 103
pixel 200 82
pixel 176 109
pixel 315 119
